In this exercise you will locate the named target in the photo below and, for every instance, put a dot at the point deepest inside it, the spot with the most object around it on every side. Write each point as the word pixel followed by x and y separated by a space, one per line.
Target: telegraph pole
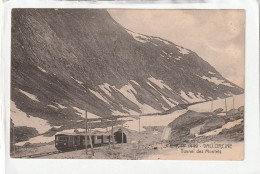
pixel 13 138
pixel 122 133
pixel 86 134
pixel 211 110
pixel 139 124
pixel 233 102
pixel 226 105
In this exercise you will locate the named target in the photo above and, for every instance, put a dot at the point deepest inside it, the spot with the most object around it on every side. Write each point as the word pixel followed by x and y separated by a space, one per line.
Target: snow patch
pixel 164 52
pixel 159 83
pixel 226 126
pixel 99 96
pixel 43 70
pixel 138 37
pixel 114 112
pixel 105 88
pixel 31 96
pixel 82 113
pixel 217 81
pixel 57 127
pixel 79 82
pixel 60 106
pixel 182 50
pixel 219 103
pixel 20 118
pixel 191 97
pixel 178 58
pixel 38 139
pixel 168 102
pixel 154 44
pixel 135 82
pixel 71 131
pixel 163 120
pixel 211 73
pixel 164 41
pixel 53 106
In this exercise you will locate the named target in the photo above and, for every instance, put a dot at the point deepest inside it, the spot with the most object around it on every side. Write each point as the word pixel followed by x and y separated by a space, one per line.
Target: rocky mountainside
pixel 65 61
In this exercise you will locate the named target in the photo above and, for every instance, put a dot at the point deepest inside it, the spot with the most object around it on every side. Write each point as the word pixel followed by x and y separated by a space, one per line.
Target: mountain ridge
pixel 73 60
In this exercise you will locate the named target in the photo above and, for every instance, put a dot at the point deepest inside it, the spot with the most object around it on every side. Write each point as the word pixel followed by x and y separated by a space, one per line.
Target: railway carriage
pixel 73 141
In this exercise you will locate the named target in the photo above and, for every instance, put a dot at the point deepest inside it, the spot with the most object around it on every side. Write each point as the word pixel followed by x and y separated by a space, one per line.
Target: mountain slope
pixel 65 61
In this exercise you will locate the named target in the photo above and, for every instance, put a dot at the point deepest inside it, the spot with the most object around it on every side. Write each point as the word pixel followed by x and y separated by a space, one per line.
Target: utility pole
pixel 112 132
pixel 139 124
pixel 91 145
pixel 211 109
pixel 122 133
pixel 226 105
pixel 86 134
pixel 13 139
pixel 233 102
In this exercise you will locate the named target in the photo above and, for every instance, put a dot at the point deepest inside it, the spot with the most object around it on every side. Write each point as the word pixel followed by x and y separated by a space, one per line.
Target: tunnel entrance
pixel 118 136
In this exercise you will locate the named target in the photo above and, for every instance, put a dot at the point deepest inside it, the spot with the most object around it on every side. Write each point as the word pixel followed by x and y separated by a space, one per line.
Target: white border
pixel 252 148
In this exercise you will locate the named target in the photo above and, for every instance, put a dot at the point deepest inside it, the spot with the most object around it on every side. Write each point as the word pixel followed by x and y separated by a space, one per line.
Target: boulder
pixel 212 124
pixel 232 112
pixel 219 110
pixel 241 109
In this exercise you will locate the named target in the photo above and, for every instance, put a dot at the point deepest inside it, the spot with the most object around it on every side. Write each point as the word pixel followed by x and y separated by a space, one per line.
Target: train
pixel 74 141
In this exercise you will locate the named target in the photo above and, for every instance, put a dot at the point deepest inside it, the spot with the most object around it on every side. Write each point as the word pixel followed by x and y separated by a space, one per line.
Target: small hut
pixel 129 136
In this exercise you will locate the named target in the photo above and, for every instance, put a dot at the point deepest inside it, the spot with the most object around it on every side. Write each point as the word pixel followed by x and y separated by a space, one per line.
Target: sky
pixel 217 36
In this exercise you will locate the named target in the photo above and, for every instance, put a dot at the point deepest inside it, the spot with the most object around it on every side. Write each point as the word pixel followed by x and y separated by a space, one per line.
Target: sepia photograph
pixel 127 84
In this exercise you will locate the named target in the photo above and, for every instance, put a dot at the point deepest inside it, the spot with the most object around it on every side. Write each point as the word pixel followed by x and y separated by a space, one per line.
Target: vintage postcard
pixel 136 84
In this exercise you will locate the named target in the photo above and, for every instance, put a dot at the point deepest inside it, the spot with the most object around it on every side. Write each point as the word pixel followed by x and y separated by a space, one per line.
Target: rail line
pixel 42 154
pixel 51 153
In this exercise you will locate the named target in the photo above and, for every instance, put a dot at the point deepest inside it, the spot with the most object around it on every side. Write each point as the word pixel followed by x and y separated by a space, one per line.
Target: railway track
pixel 50 153
pixel 42 154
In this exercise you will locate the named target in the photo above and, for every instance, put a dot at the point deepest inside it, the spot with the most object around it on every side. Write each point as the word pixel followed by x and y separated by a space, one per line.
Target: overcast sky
pixel 217 36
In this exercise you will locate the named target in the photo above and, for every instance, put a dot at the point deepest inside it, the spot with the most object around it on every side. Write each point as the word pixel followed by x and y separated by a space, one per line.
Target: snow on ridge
pixel 128 92
pixel 79 82
pixel 178 58
pixel 99 96
pixel 20 118
pixel 168 101
pixel 211 73
pixel 164 52
pixel 183 50
pixel 53 106
pixel 191 97
pixel 128 88
pixel 162 40
pixel 154 44
pixel 135 82
pixel 82 113
pixel 114 112
pixel 138 37
pixel 60 106
pixel 105 88
pixel 42 70
pixel 219 103
pixel 159 83
pixel 217 81
pixel 31 96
